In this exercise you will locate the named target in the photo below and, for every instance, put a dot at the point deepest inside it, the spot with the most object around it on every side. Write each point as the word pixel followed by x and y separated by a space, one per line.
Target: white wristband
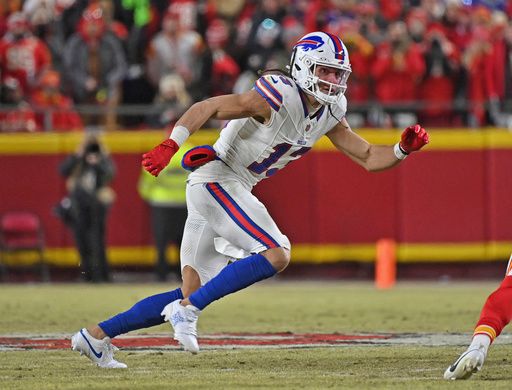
pixel 399 153
pixel 179 134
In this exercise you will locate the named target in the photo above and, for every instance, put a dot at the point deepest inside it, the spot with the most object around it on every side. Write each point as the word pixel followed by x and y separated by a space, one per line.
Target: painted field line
pixel 249 341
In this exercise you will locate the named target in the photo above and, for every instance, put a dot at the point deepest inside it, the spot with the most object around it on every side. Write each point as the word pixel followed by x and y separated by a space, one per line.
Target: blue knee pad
pixel 143 314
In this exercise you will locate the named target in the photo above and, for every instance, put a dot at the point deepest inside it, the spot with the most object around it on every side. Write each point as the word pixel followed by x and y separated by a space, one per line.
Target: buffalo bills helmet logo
pixel 310 42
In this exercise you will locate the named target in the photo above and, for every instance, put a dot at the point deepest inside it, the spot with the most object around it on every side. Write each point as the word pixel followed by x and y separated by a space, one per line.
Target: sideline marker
pixel 385 264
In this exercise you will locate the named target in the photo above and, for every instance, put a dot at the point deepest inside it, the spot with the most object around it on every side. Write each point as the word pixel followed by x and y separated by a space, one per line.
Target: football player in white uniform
pixel 276 122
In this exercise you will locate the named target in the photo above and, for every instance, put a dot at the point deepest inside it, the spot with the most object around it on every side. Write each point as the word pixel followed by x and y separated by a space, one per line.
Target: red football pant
pixel 497 311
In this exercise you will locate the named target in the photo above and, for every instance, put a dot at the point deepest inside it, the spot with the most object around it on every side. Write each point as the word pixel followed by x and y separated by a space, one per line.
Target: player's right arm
pixel 225 107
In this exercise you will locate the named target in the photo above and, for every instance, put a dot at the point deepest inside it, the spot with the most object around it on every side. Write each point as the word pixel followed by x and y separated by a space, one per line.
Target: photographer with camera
pixel 88 173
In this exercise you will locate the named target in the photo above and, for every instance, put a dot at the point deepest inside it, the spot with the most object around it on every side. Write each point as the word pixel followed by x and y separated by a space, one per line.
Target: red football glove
pixel 157 158
pixel 413 139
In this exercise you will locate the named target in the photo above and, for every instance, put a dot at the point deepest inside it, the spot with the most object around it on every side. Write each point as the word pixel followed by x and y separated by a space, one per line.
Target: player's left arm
pixel 376 157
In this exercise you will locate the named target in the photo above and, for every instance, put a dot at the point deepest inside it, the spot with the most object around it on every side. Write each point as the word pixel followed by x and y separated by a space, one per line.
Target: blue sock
pixel 143 314
pixel 234 277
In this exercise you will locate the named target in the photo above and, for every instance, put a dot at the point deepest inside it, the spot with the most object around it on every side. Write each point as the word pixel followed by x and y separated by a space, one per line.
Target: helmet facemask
pixel 324 91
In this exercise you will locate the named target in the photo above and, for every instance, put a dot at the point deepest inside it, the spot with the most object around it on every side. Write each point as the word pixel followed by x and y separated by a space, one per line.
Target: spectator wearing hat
pixel 22 55
pixel 95 65
pixel 45 18
pixel 176 49
pixel 55 111
pixel 224 69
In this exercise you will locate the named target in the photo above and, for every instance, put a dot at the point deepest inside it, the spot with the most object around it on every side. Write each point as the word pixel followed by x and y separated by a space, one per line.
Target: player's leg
pixel 183 314
pixel 495 315
pixel 95 341
pixel 237 216
pixel 239 275
pixel 200 262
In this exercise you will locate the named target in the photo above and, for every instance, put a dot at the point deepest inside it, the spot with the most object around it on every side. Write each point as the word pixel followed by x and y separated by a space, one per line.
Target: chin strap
pixel 330 112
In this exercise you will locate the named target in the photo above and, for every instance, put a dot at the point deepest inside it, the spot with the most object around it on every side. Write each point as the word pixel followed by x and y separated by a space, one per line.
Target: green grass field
pixel 276 306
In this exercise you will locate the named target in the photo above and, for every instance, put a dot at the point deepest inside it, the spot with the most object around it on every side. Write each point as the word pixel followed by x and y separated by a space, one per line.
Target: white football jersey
pixel 254 151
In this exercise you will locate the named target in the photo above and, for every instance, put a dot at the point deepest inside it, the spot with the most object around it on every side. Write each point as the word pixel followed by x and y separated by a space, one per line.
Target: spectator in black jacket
pixel 89 172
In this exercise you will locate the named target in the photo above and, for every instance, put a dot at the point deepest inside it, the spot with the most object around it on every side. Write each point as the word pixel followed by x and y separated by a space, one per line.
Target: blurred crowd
pixel 133 64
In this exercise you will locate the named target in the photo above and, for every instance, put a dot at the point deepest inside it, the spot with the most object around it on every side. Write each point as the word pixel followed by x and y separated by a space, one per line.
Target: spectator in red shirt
pixel 391 10
pixel 500 52
pixel 398 68
pixel 22 55
pixel 225 70
pixel 54 110
pixel 477 62
pixel 437 90
pixel 508 76
pixel 458 24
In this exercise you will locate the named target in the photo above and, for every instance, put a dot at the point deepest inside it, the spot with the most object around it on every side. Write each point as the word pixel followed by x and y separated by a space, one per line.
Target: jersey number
pixel 279 151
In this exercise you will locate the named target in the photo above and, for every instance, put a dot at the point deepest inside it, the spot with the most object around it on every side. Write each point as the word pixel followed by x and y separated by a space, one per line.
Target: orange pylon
pixel 385 264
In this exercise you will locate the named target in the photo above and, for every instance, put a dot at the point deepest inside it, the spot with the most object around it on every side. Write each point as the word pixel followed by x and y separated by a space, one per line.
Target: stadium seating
pixel 22 231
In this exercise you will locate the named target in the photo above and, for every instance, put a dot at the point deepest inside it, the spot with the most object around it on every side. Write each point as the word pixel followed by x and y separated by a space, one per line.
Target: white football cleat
pixel 100 352
pixel 183 319
pixel 467 364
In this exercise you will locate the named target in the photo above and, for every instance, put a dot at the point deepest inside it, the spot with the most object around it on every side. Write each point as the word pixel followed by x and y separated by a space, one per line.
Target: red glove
pixel 413 139
pixel 157 158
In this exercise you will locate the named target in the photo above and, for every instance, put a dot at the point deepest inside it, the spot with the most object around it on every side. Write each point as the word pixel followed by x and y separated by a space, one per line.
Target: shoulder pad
pixel 274 88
